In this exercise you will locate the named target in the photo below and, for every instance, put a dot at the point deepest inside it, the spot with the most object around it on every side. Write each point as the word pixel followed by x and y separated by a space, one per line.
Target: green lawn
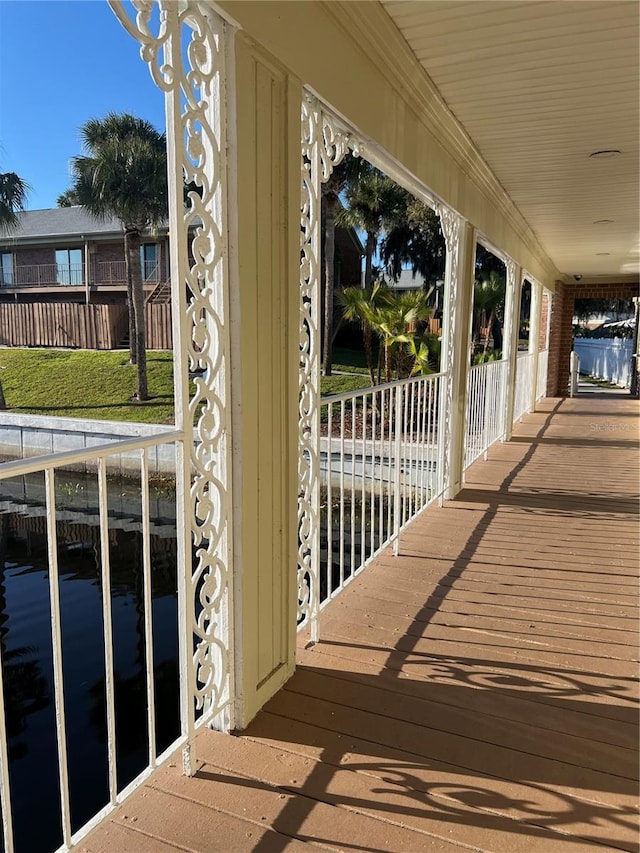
pixel 100 385
pixel 350 360
pixel 85 384
pixel 601 383
pixel 346 361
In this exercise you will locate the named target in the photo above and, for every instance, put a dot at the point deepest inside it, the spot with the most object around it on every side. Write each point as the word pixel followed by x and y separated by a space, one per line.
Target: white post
pixel 574 372
pixel 397 479
pixel 534 340
pixel 456 338
pixel 510 343
pixel 181 334
pixel 488 402
pixel 197 153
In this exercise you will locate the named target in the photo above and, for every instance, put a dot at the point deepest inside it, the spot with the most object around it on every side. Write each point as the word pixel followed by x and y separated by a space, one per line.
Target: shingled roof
pixel 61 222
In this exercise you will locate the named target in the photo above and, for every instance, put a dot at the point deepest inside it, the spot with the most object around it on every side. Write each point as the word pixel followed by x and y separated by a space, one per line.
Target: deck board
pixel 478 691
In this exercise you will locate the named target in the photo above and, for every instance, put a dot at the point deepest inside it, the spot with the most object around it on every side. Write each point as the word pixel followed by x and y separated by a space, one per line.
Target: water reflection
pixel 25 636
pixel 26 689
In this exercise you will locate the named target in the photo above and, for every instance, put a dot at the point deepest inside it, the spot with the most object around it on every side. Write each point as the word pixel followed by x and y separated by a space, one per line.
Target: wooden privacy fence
pixel 76 325
pixel 158 320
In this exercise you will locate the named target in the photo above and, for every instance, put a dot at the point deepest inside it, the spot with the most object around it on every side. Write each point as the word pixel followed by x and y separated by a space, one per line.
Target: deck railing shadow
pixel 519 748
pixel 488 775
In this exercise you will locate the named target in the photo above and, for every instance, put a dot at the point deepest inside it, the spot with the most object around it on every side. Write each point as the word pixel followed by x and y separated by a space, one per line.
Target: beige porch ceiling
pixel 540 86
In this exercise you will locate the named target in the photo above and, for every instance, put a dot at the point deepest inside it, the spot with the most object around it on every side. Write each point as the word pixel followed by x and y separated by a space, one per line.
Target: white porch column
pixel 510 341
pixel 534 339
pixel 200 151
pixel 456 338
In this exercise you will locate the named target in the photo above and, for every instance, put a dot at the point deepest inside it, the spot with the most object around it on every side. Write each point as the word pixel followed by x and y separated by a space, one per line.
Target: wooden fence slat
pixel 75 324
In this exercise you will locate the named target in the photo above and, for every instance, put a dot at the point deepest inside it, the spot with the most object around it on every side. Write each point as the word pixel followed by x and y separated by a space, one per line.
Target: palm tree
pixel 374 203
pixel 396 319
pixel 488 300
pixel 66 199
pixel 124 174
pixel 13 197
pixel 359 304
pixel 396 322
pixel 342 176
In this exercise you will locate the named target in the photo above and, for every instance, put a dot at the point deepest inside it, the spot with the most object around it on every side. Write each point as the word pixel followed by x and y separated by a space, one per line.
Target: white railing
pixel 379 468
pixel 541 381
pixel 54 470
pixel 524 379
pixel 484 420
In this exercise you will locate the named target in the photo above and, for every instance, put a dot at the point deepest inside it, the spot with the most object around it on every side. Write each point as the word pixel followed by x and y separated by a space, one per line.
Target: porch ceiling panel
pixel 539 86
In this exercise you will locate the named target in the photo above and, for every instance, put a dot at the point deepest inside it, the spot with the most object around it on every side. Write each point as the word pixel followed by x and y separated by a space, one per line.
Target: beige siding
pixel 268 209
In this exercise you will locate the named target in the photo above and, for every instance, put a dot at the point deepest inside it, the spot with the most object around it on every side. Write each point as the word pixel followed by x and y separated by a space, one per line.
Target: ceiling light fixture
pixel 606 152
pixel 603 253
pixel 603 222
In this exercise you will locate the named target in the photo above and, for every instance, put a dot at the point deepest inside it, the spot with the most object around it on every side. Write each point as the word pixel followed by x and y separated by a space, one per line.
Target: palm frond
pixel 13 197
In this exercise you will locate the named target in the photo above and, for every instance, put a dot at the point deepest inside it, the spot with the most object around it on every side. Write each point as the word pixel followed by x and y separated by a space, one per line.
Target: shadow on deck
pixel 477 692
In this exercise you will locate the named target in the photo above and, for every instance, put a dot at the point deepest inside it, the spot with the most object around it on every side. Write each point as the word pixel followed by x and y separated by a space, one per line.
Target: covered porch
pixel 477 691
pixel 474 690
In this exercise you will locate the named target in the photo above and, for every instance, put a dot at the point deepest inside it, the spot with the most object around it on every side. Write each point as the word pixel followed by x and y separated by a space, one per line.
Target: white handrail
pixel 543 368
pixel 63 460
pixel 524 379
pixel 49 465
pixel 484 418
pixel 378 469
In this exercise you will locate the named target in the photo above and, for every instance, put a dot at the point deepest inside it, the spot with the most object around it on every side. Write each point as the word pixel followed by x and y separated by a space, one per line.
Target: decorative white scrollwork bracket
pixel 325 143
pixel 184 46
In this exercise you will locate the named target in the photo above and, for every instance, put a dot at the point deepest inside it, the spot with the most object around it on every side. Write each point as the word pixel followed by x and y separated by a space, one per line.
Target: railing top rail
pixel 360 392
pixel 488 364
pixel 72 457
pixel 525 354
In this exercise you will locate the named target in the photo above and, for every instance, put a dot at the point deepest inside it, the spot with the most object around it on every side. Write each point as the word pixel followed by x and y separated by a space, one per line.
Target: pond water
pixel 25 639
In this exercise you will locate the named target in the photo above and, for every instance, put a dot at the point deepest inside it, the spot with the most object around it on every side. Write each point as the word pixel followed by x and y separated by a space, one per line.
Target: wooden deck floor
pixel 478 692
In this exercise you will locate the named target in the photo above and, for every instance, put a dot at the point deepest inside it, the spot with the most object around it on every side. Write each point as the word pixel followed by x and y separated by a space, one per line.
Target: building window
pixel 6 269
pixel 149 261
pixel 69 266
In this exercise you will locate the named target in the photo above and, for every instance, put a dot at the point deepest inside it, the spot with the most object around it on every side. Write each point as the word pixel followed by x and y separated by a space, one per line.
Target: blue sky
pixel 61 63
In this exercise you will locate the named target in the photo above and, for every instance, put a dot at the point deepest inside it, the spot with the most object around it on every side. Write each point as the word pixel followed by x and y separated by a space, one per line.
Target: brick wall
pixel 108 251
pixel 561 332
pixel 27 257
pixel 544 319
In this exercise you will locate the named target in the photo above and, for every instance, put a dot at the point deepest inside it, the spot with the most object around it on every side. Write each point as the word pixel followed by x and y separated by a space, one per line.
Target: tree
pixel 396 322
pixel 124 174
pixel 359 304
pixel 13 197
pixel 67 199
pixel 374 203
pixel 488 304
pixel 585 309
pixel 396 319
pixel 416 240
pixel 342 176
